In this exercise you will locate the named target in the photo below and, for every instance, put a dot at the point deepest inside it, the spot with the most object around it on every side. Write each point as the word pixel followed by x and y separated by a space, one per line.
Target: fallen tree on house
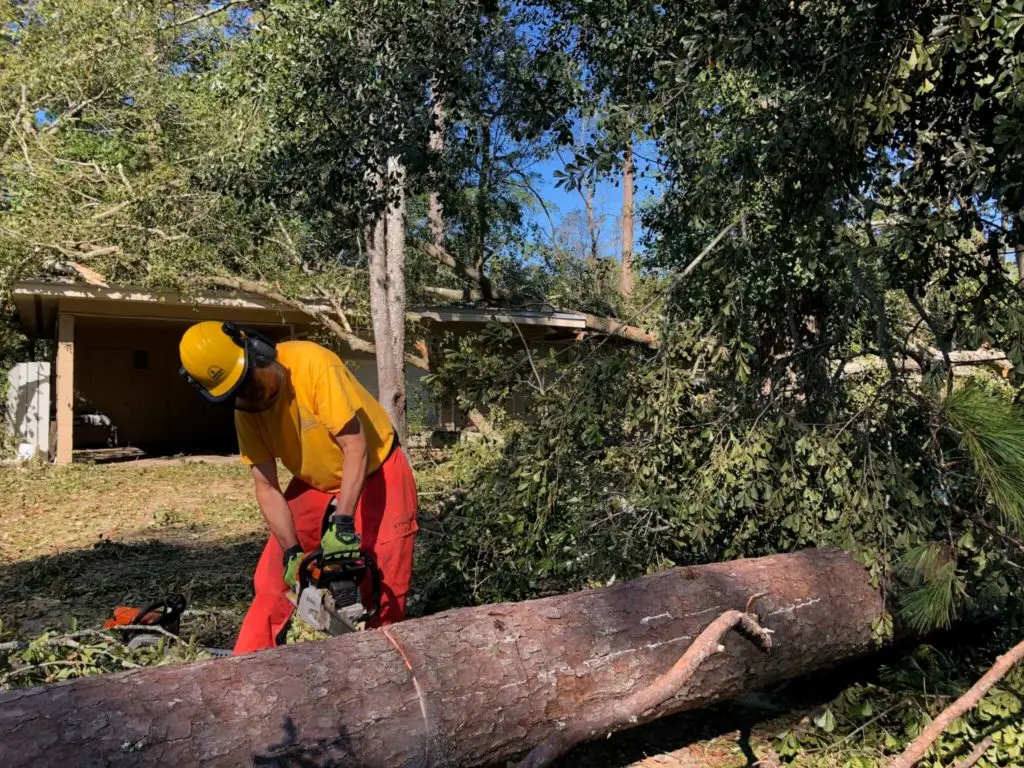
pixel 465 687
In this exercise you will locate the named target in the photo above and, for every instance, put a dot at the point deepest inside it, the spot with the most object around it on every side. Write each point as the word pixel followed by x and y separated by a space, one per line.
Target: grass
pixel 78 541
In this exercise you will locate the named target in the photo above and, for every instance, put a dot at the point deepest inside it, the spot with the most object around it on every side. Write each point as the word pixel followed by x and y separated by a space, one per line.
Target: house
pixel 113 371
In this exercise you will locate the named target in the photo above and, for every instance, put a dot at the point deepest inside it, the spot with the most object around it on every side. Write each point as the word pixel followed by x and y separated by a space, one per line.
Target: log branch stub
pixel 621 714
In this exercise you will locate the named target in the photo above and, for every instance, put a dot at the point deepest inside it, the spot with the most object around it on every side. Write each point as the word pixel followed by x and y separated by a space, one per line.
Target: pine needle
pixel 932 602
pixel 992 432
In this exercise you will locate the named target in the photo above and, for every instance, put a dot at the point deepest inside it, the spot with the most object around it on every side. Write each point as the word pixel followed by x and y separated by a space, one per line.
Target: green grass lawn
pixel 78 541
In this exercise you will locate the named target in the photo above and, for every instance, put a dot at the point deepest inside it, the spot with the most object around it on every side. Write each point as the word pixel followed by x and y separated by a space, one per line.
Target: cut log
pixel 466 687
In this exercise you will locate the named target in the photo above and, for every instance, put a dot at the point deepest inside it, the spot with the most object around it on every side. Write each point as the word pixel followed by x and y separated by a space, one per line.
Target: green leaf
pixel 826 721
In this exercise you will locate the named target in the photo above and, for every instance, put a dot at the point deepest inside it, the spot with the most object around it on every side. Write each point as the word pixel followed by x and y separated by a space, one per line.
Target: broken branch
pixel 992 358
pixel 976 754
pixel 71 112
pixel 355 342
pixel 920 746
pixel 703 254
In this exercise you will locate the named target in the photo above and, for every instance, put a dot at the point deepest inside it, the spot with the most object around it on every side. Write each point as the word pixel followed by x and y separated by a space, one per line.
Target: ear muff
pixel 260 348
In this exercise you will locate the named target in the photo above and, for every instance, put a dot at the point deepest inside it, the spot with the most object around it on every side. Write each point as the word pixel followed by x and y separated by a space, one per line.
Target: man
pixel 299 403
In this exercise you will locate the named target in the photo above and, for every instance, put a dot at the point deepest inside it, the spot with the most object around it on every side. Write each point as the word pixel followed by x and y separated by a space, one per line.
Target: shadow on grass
pixel 87 584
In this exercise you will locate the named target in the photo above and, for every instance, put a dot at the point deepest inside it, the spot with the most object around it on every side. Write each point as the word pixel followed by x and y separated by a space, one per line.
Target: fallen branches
pixel 484 289
pixel 977 753
pixel 612 327
pixel 992 358
pixel 620 714
pixel 357 343
pixel 920 746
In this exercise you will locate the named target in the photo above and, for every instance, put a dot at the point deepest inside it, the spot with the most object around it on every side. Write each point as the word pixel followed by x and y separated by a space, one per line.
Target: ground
pixel 78 541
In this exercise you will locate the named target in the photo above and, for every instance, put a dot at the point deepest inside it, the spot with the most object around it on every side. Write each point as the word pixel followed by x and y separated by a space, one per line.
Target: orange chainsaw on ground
pixel 164 614
pixel 326 595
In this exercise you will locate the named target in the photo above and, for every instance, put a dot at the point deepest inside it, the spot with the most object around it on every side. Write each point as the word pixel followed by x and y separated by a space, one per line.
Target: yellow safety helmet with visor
pixel 216 357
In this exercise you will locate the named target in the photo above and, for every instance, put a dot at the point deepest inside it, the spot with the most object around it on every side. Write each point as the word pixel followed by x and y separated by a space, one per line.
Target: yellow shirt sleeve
pixel 251 444
pixel 335 398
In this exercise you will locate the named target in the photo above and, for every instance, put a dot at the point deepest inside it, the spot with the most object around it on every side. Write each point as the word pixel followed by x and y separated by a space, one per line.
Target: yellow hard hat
pixel 213 359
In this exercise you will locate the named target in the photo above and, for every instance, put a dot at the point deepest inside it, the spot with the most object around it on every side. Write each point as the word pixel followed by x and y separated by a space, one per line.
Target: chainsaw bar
pixel 316 608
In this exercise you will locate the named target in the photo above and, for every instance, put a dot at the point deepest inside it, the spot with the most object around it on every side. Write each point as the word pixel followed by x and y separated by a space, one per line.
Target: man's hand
pixel 340 542
pixel 292 560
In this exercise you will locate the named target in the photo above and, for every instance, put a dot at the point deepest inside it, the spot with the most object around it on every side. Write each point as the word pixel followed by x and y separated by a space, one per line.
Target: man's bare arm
pixel 273 505
pixel 352 441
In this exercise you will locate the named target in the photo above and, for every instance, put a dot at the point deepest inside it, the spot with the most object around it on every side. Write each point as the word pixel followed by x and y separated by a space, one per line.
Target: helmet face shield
pixel 207 393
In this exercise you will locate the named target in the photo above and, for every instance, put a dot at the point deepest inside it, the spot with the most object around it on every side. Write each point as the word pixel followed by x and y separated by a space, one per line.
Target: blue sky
pixel 607 198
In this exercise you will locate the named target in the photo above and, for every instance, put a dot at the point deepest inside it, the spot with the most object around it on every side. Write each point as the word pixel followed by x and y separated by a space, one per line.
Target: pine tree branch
pixel 920 746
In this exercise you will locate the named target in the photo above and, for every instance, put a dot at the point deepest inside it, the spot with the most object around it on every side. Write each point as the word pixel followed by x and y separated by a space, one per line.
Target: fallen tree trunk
pixel 465 687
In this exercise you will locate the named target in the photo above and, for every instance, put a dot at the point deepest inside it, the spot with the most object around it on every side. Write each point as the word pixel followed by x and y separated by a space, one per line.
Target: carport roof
pixel 38 303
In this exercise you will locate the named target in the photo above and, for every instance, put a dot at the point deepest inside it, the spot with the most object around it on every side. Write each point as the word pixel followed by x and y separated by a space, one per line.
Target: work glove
pixel 292 558
pixel 340 541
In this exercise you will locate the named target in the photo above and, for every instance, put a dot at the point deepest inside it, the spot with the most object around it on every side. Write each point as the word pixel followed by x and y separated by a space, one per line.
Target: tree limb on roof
pixel 486 290
pixel 357 343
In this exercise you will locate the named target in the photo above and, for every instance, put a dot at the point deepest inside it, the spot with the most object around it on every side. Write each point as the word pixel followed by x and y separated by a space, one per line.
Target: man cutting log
pixel 352 489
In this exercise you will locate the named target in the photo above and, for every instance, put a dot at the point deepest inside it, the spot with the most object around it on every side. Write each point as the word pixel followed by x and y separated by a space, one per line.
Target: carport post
pixel 65 387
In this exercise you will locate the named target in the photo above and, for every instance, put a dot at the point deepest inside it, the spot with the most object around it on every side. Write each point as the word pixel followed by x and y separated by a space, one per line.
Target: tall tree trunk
pixel 587 192
pixel 466 687
pixel 385 248
pixel 1018 228
pixel 396 298
pixel 626 275
pixel 483 194
pixel 435 211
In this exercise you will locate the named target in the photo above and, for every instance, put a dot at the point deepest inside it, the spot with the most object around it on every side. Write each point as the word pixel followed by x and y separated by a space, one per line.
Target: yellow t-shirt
pixel 319 397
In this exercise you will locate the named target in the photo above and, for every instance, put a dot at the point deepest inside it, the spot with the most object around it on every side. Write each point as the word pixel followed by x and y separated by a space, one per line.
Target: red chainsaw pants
pixel 386 523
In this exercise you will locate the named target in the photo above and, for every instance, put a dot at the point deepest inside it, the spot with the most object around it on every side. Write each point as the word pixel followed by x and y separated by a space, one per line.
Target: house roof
pixel 38 303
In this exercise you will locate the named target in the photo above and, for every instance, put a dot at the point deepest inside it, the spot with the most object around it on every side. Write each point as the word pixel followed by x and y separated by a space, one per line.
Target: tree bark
pixel 593 242
pixel 395 375
pixel 626 275
pixel 435 211
pixel 617 713
pixel 465 687
pixel 385 249
pixel 1018 251
pixel 483 194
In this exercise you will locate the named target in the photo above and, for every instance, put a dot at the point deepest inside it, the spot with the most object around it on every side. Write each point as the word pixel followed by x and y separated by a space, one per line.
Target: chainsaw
pixel 326 595
pixel 152 623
